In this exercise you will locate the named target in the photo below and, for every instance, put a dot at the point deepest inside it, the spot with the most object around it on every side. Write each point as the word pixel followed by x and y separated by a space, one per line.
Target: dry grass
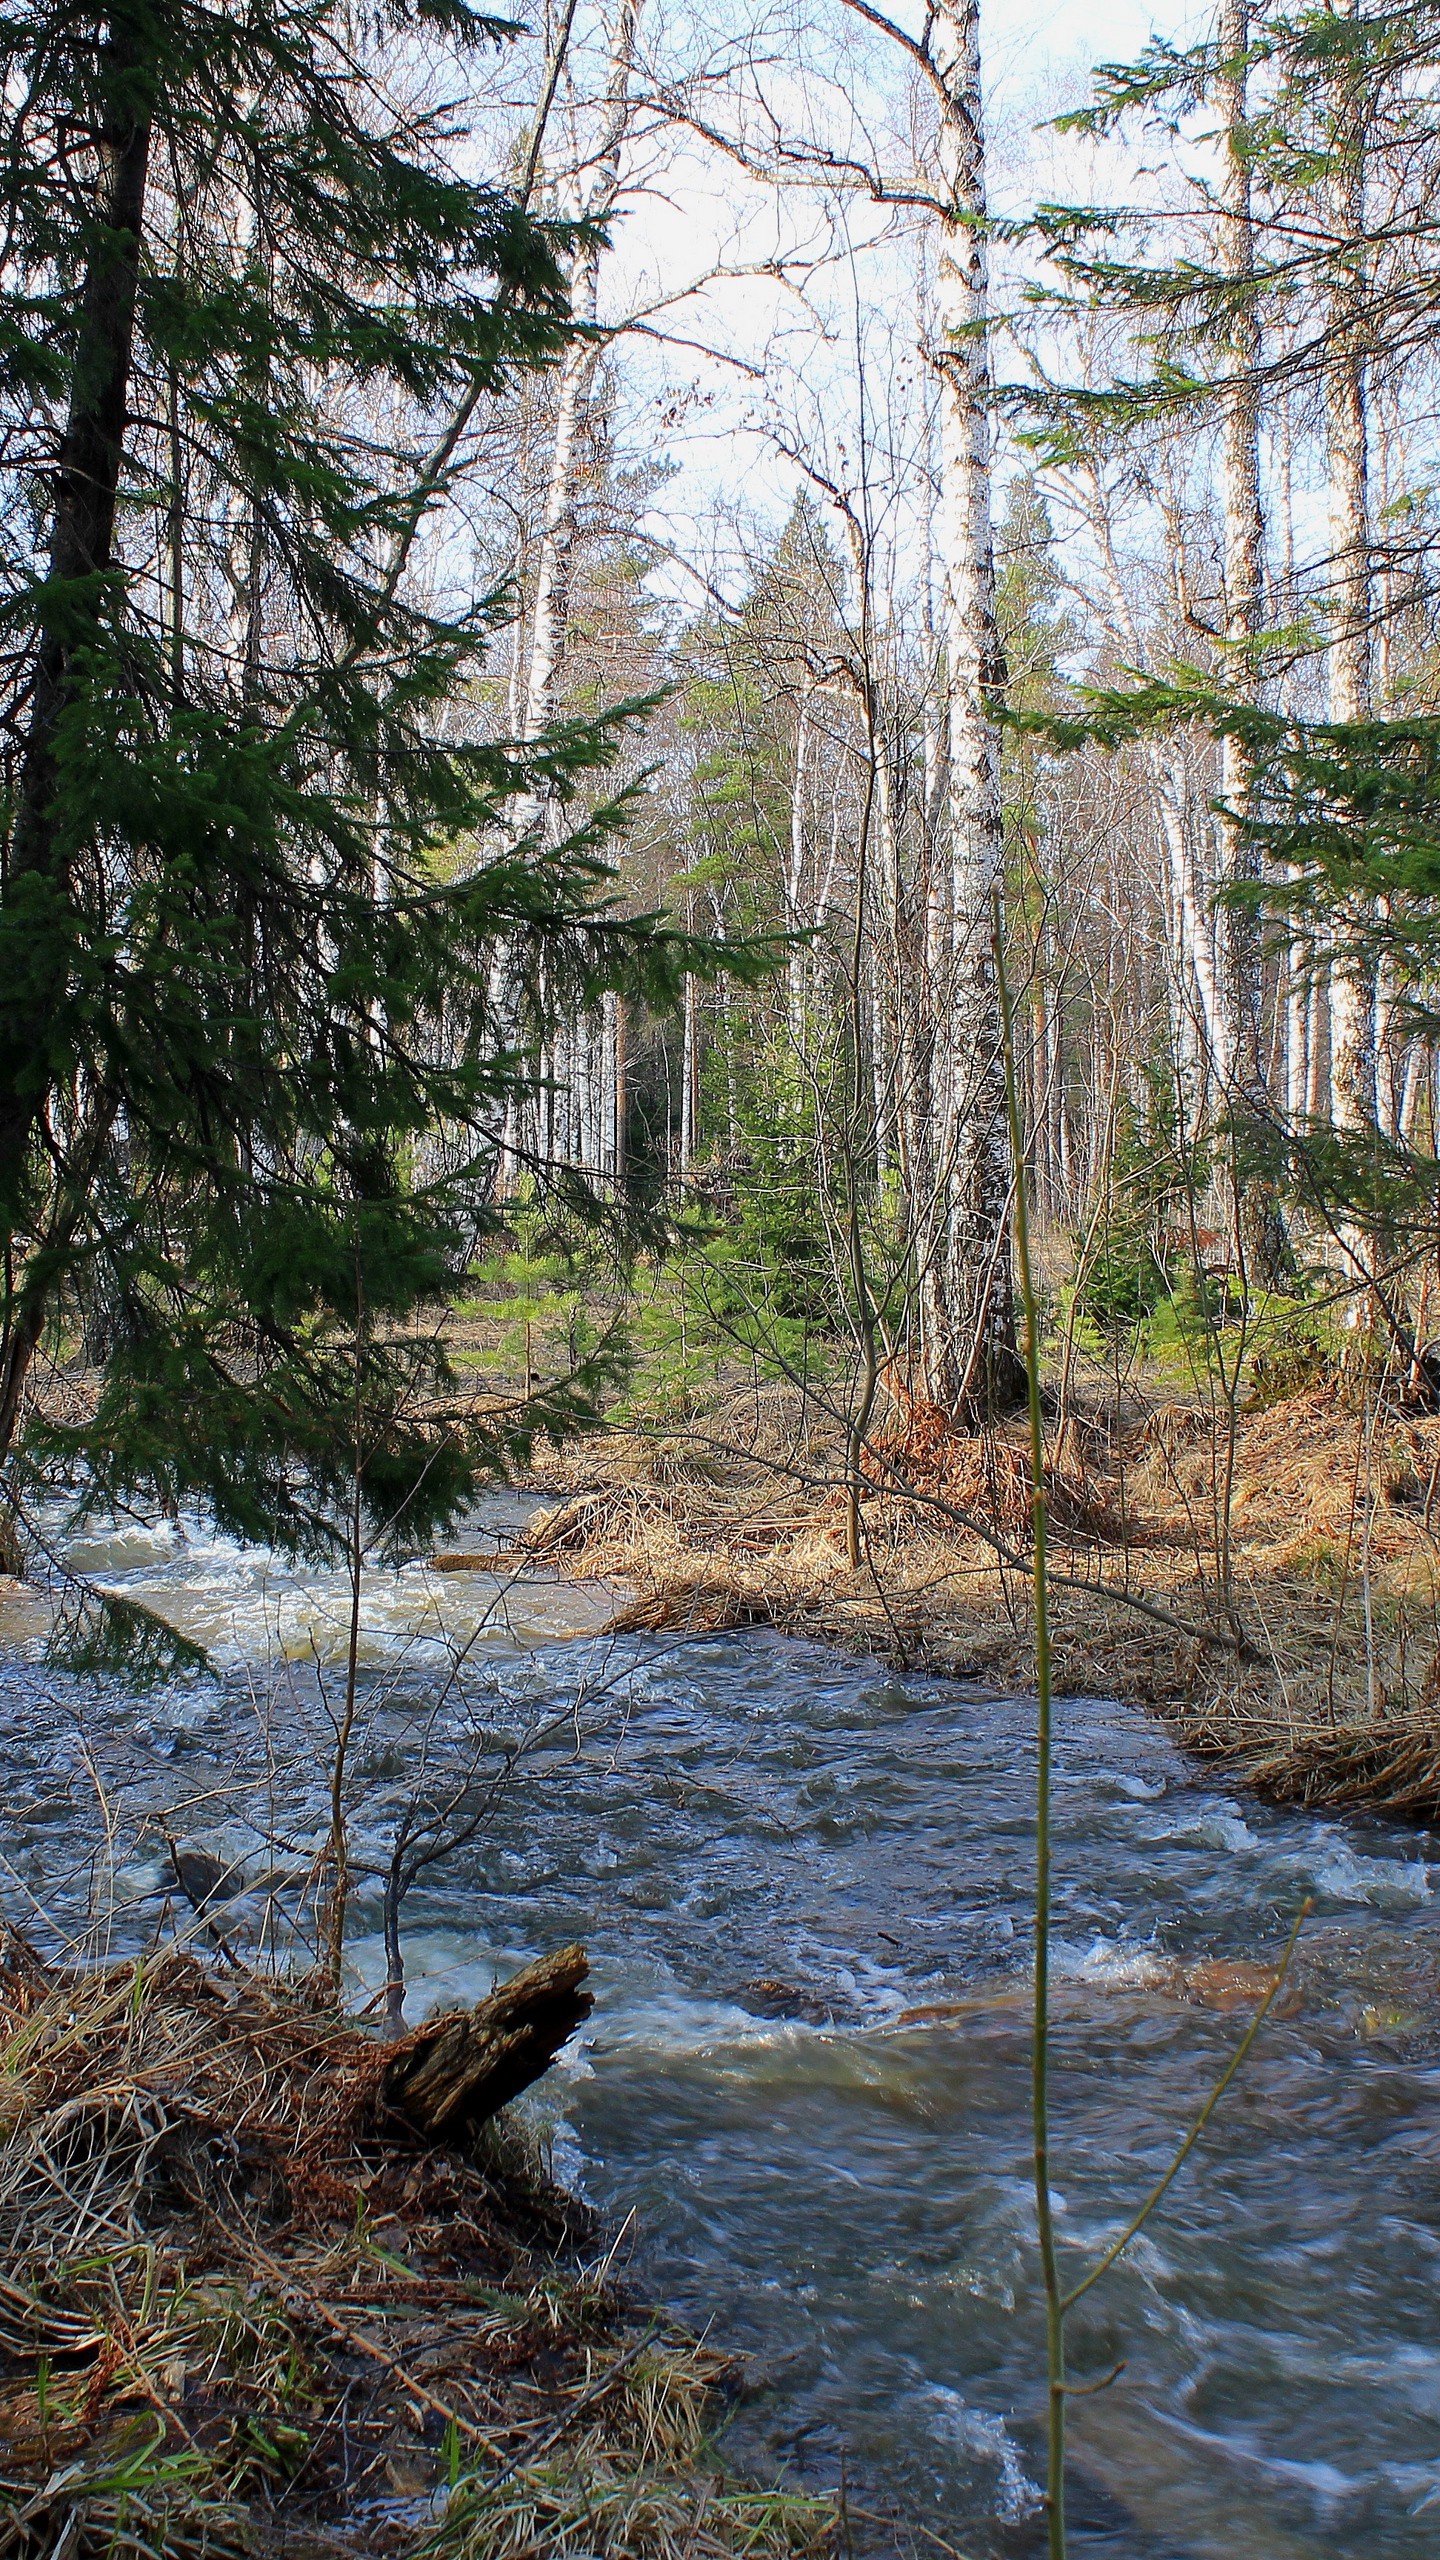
pixel 1308 1661
pixel 244 2313
pixel 1313 1538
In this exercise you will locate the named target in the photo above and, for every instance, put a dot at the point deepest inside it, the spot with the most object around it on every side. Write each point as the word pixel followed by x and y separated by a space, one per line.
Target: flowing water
pixel 774 1855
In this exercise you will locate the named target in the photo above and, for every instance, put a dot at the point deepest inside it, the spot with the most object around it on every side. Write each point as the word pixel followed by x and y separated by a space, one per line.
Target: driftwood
pixel 702 1605
pixel 455 2071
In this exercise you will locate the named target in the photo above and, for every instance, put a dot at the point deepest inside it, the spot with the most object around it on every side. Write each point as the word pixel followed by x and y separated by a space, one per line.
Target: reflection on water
pixel 773 1855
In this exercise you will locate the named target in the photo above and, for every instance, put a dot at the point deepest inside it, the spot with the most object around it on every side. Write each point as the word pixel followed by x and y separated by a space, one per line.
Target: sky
pixel 697 401
pixel 1016 35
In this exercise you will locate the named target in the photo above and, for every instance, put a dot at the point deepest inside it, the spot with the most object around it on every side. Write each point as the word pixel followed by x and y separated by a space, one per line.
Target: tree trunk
pixel 622 1093
pixel 975 1367
pixel 1261 1241
pixel 798 963
pixel 1352 974
pixel 557 533
pixel 73 602
pixel 1197 1014
pixel 540 696
pixel 689 1073
pixel 454 2072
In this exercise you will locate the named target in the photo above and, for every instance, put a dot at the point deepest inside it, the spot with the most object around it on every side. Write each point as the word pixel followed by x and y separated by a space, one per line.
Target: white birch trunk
pixel 974 1364
pixel 555 556
pixel 596 201
pixel 607 1152
pixel 1244 553
pixel 795 880
pixel 882 1063
pixel 689 1078
pixel 1197 1016
pixel 622 1090
pixel 1262 1240
pixel 1352 981
pixel 1299 1027
pixel 1352 989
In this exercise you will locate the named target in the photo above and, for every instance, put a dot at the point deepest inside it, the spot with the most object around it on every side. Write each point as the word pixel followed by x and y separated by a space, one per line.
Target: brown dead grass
pixel 242 2314
pixel 1315 1677
pixel 1295 1572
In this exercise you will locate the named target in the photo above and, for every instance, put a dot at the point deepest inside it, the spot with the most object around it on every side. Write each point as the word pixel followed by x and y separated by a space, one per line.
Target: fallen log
pixel 455 2071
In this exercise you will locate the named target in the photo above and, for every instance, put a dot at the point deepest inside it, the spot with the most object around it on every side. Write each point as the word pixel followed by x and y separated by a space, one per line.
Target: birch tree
pixel 586 1080
pixel 1349 657
pixel 967 1337
pixel 970 1354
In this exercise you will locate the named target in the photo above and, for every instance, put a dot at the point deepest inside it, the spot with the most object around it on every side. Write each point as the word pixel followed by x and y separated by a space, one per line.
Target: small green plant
pixel 1153 1177
pixel 1294 1349
pixel 550 1305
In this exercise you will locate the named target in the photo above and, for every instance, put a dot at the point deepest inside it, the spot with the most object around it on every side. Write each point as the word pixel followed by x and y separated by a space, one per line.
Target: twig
pixel 1055 2304
pixel 288 2280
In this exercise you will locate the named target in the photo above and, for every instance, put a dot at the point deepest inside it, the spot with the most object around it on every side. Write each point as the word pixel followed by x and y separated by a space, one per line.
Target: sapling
pixel 1060 2300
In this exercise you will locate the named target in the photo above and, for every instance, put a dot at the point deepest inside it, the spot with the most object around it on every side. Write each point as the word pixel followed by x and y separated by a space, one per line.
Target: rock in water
pixel 453 2072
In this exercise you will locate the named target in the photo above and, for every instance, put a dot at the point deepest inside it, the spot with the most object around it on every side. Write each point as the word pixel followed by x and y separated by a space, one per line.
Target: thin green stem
pixel 1055 2304
pixel 1117 2247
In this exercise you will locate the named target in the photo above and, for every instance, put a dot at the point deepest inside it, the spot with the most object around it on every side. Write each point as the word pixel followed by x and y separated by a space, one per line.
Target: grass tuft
pixel 245 2313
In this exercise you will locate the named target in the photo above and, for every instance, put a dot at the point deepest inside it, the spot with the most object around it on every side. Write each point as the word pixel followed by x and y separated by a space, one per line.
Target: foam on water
pixel 976 2433
pixel 246 1605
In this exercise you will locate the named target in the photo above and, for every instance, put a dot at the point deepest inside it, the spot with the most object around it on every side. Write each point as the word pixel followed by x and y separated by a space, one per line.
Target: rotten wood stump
pixel 454 2072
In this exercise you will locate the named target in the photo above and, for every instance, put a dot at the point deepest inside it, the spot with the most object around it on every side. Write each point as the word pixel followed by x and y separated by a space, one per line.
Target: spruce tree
pixel 1311 286
pixel 257 856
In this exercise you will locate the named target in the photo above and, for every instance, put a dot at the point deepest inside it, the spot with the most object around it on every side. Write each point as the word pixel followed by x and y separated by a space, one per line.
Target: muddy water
pixel 773 1854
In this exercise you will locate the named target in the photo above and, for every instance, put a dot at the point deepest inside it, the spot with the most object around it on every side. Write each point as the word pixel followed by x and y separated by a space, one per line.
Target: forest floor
pixel 1269 1582
pixel 246 2315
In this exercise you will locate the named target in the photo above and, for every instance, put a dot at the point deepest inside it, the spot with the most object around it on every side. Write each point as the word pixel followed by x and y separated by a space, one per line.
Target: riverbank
pixel 1266 1582
pixel 248 2311
pixel 1266 1578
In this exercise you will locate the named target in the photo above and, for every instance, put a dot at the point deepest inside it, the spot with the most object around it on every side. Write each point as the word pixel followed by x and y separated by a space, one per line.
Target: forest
pixel 720 1312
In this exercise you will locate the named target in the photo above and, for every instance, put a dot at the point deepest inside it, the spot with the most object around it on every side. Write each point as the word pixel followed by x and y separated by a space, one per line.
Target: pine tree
pixel 255 864
pixel 1321 234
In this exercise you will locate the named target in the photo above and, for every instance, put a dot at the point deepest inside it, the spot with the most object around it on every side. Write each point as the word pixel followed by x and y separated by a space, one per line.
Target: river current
pixel 774 1855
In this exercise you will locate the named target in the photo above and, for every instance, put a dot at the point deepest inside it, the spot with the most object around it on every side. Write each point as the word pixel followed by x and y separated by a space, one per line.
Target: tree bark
pixel 1261 1240
pixel 537 697
pixel 1352 987
pixel 689 1075
pixel 453 2073
pixel 1196 1013
pixel 1353 1094
pixel 797 967
pixel 975 1366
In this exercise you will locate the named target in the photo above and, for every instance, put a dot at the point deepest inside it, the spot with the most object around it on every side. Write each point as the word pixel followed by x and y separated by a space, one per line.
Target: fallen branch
pixel 456 2071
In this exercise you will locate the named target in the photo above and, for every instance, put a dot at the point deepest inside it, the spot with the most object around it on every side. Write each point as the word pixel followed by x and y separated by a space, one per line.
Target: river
pixel 773 1854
